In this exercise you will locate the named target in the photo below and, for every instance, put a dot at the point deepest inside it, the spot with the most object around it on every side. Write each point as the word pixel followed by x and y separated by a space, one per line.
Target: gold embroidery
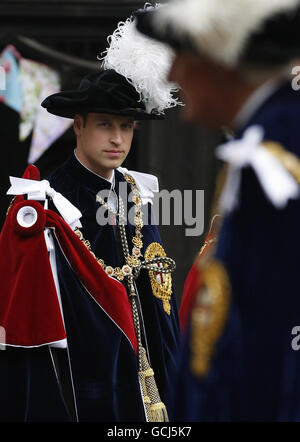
pixel 208 316
pixel 161 289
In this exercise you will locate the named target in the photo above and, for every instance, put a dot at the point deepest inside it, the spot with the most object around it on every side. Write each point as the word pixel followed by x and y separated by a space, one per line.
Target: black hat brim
pixel 97 100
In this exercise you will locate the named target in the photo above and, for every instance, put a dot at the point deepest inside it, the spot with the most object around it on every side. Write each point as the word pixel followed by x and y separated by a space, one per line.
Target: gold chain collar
pixel 133 261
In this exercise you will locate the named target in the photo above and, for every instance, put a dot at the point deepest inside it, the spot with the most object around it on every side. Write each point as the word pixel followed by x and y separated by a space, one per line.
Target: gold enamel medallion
pixel 161 283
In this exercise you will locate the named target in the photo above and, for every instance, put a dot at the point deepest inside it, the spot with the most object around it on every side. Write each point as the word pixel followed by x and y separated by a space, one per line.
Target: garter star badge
pixel 161 283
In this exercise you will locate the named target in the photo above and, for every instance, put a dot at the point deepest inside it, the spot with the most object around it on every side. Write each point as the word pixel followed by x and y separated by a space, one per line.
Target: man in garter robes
pixel 88 314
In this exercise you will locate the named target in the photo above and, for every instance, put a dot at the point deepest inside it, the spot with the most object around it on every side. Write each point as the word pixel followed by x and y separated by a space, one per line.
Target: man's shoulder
pixel 146 184
pixel 60 179
pixel 278 117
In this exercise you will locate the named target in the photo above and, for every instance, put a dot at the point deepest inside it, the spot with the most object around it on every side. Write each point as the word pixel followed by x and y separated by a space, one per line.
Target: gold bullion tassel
pixel 155 409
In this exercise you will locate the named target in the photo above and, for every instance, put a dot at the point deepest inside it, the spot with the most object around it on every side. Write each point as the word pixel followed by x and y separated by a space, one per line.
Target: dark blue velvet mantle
pixel 101 358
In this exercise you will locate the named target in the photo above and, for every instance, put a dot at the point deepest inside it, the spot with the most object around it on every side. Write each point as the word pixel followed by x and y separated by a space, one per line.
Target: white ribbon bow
pixel 147 184
pixel 40 190
pixel 277 183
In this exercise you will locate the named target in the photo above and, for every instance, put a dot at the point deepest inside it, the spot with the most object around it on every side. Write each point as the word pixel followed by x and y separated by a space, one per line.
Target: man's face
pixel 103 141
pixel 208 90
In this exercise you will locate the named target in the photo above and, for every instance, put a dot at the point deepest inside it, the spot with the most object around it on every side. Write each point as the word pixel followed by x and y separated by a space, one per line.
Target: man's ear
pixel 77 124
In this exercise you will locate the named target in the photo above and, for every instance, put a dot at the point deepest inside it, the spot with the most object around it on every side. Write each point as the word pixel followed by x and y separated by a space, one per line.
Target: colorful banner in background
pixel 27 83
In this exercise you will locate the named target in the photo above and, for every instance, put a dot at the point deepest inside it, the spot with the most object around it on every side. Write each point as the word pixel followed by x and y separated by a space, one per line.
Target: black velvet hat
pixel 102 92
pixel 232 32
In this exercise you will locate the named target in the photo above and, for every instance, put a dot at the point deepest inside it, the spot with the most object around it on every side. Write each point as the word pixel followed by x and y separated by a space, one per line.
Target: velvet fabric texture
pixel 162 333
pixel 28 318
pixel 23 256
pixel 100 360
pixel 29 308
pixel 193 283
pixel 254 374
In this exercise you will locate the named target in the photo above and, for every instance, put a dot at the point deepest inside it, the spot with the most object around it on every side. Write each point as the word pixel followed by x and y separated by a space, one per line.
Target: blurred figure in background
pixel 233 61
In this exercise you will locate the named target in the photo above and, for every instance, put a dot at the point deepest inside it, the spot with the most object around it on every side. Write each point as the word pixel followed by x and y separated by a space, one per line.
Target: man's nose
pixel 116 137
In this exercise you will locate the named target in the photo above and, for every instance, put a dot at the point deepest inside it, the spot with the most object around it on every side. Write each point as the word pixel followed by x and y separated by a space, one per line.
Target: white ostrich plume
pixel 144 62
pixel 219 28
